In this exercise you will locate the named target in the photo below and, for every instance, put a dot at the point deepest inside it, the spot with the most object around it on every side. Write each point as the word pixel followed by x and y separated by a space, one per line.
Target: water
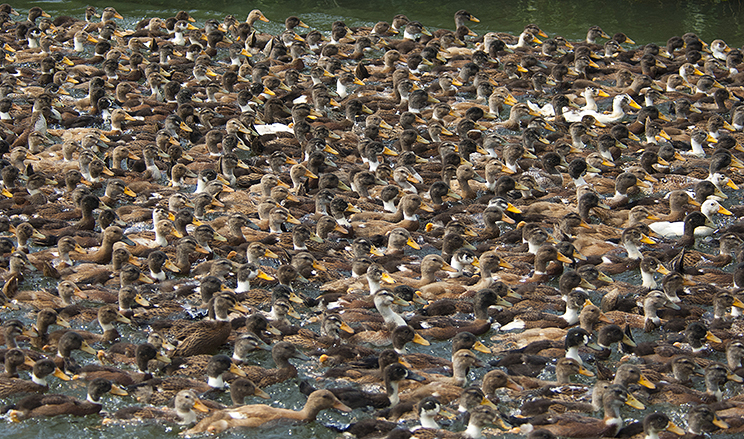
pixel 643 21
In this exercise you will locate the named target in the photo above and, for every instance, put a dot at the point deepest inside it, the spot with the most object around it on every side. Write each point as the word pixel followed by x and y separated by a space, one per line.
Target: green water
pixel 643 21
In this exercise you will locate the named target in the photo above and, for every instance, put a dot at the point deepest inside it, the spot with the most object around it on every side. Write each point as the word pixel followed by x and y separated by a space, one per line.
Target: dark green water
pixel 643 21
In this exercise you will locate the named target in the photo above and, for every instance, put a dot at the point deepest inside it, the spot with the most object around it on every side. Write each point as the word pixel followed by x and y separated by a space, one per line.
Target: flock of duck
pixel 216 192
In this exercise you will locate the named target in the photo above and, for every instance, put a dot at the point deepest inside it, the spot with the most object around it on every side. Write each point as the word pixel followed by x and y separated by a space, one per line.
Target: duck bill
pixel 293 297
pixel 261 394
pixel 144 278
pixel 585 284
pixel 162 358
pixel 240 308
pixel 262 275
pixel 62 322
pixel 510 208
pixel 663 270
pixel 85 347
pixel 586 372
pixel 375 251
pixel 561 257
pixel 198 405
pixel 603 318
pixel 118 391
pixel 338 405
pixel 631 401
pixel 294 314
pixel 389 279
pixel 170 266
pixel 273 330
pixel 236 370
pixel 201 249
pixel 738 303
pixel 513 385
pixel 480 347
pixel 121 319
pixel 627 341
pixel 418 298
pixel 502 302
pixel 413 244
pixel 732 185
pixel 724 211
pixel 418 339
pixel 61 375
pixel 504 264
pixel 719 423
pixel 712 337
pixel 645 382
pixel 346 328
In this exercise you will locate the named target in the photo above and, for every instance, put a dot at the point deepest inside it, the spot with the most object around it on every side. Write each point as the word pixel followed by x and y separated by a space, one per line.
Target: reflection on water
pixel 643 21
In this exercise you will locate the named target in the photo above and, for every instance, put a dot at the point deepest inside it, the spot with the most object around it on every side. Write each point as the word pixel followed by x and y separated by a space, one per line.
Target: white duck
pixel 617 111
pixel 675 229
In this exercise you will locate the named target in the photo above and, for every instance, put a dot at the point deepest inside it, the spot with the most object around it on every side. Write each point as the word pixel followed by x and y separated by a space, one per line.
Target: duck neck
pixel 573 353
pixel 374 286
pixel 562 376
pixel 571 316
pixel 41 381
pixel 427 420
pixel 243 286
pixel 612 416
pixel 697 148
pixel 591 104
pixel 390 206
pixel 428 277
pixel 275 226
pixel 473 431
pixel 391 317
pixel 617 108
pixel 186 416
pixel 648 280
pixel 733 359
pixel 460 374
pixel 299 243
pixel 160 239
pixel 216 382
pixel 391 387
pixel 633 252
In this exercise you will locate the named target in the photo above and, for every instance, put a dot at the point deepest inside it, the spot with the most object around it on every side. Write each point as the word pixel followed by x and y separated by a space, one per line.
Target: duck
pixel 571 425
pixel 257 415
pixel 281 353
pixel 56 405
pixel 185 403
pixel 393 375
pixel 480 417
pixel 676 229
pixel 41 370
